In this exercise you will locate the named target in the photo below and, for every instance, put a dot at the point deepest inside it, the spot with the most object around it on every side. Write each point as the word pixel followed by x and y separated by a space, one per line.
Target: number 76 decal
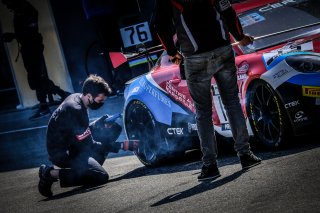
pixel 135 34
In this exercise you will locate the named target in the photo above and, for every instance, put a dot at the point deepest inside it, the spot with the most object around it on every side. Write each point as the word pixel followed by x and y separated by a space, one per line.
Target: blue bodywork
pixel 157 101
pixel 292 92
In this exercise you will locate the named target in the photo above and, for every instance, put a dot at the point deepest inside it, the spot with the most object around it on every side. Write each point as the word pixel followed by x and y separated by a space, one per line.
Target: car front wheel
pixel 267 116
pixel 140 124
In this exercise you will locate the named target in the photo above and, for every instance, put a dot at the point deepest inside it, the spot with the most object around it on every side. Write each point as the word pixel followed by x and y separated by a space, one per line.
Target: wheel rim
pixel 266 114
pixel 139 126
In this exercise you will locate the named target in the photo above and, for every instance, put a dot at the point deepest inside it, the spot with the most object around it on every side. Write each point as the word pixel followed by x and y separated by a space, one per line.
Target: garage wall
pixel 57 69
pixel 78 37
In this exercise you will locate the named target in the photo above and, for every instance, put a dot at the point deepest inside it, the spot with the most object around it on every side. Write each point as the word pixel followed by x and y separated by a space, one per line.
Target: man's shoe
pixel 249 160
pixel 41 112
pixel 62 93
pixel 209 172
pixel 46 180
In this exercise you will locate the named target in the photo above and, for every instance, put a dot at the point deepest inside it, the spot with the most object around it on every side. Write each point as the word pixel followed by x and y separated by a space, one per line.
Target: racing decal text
pixel 221 112
pixel 224 4
pixel 192 127
pixel 175 131
pixel 242 70
pixel 292 104
pixel 178 96
pixel 135 34
pixel 154 92
pixel 311 91
pixel 280 73
pixel 225 127
pixel 251 19
pixel 300 117
pixel 276 5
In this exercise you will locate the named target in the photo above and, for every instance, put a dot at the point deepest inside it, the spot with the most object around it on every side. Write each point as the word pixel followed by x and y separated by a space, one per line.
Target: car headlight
pixel 304 63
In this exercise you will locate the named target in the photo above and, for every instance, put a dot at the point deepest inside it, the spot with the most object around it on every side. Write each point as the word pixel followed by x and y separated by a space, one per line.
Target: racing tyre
pixel 140 124
pixel 267 116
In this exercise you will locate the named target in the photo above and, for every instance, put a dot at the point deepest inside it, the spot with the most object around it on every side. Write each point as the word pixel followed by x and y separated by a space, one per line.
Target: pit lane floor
pixel 286 181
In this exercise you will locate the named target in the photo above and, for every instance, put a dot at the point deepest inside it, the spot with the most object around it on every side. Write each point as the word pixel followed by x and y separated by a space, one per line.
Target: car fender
pixel 154 97
pixel 288 84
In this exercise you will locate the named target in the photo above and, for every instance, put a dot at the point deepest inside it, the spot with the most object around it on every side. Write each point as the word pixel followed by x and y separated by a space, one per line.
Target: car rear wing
pixel 280 32
pixel 119 58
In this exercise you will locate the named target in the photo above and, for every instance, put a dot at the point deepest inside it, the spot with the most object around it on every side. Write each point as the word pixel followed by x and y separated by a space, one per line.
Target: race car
pixel 278 80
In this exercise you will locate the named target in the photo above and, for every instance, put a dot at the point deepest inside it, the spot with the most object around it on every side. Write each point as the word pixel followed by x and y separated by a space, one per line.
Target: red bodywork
pixel 250 67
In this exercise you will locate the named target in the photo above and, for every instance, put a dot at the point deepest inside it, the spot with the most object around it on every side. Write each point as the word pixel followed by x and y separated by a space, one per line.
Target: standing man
pixel 26 32
pixel 77 147
pixel 202 28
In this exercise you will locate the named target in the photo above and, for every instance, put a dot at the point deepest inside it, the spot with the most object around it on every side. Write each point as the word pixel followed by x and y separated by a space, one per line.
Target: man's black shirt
pixel 201 26
pixel 68 129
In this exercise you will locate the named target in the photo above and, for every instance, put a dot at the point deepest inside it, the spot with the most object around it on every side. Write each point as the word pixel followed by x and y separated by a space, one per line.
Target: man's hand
pixel 176 59
pixel 99 123
pixel 131 145
pixel 8 37
pixel 246 40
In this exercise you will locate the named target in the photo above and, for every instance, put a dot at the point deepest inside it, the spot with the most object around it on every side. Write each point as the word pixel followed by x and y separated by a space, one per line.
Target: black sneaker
pixel 63 94
pixel 209 172
pixel 46 180
pixel 40 113
pixel 249 160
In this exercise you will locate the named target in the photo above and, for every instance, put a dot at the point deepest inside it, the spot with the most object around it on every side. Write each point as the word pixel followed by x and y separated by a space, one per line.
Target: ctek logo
pixel 291 104
pixel 175 131
pixel 311 91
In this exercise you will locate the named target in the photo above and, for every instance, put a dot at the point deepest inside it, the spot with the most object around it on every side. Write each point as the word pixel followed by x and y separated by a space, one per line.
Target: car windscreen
pixel 292 18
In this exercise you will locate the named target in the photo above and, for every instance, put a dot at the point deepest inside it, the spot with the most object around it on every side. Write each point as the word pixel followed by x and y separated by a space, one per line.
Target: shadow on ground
pixel 191 162
pixel 227 157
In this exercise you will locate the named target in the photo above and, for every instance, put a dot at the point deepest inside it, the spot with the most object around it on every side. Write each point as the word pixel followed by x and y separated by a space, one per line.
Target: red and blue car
pixel 278 80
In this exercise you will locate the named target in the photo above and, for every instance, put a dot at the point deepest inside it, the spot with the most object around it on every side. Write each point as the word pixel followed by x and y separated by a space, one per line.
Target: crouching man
pixel 77 147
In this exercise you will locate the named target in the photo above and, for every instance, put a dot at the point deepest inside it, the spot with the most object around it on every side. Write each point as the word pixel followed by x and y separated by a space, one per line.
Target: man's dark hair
pixel 95 85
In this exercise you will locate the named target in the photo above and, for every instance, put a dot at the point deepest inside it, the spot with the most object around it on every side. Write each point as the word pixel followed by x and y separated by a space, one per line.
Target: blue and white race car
pixel 278 79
